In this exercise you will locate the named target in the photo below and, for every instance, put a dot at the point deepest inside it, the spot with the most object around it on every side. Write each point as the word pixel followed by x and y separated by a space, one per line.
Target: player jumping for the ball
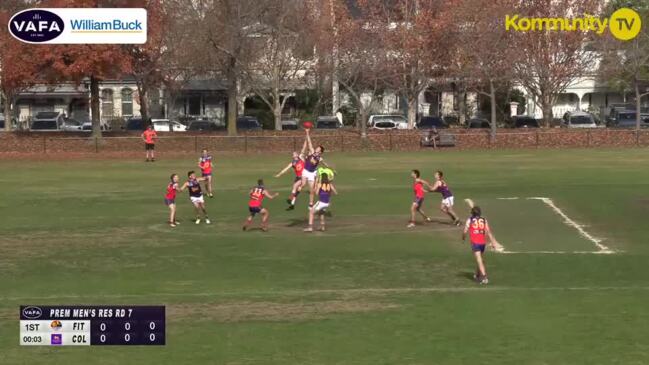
pixel 478 229
pixel 196 196
pixel 418 188
pixel 446 206
pixel 325 188
pixel 255 205
pixel 205 164
pixel 170 199
pixel 297 164
pixel 310 166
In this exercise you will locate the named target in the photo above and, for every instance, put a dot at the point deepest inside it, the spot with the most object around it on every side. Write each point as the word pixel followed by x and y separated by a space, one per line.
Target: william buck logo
pixel 624 24
pixel 36 26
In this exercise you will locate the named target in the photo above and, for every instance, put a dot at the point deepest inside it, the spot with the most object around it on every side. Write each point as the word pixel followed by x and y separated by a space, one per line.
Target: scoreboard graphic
pixel 92 325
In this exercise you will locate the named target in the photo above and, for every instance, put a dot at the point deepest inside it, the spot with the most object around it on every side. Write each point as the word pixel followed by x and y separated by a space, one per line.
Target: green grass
pixel 368 291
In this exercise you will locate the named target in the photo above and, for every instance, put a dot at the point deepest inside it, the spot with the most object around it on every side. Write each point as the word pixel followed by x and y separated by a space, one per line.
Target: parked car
pixel 247 123
pixel 47 121
pixel 2 123
pixel 627 119
pixel 71 125
pixel 431 122
pixel 579 119
pixel 205 125
pixel 87 126
pixel 327 122
pixel 135 124
pixel 290 124
pixel 166 125
pixel 524 121
pixel 387 122
pixel 478 123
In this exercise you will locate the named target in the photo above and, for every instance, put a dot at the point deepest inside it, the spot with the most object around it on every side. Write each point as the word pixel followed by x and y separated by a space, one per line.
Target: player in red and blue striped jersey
pixel 205 164
pixel 170 199
pixel 255 205
pixel 297 164
pixel 418 187
pixel 478 230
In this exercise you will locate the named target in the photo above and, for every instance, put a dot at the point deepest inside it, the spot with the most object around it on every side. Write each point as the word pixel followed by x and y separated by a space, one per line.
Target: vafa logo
pixel 36 25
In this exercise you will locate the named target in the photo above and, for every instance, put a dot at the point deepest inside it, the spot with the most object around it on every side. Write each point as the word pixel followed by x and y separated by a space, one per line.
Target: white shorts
pixel 319 206
pixel 310 176
pixel 196 199
pixel 448 202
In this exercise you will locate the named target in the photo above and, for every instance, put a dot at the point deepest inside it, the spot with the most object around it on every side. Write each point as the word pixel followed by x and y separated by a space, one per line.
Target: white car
pixel 166 125
pixel 387 122
pixel 579 119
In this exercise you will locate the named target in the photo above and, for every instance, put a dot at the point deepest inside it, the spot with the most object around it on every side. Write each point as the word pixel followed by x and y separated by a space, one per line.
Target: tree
pixel 417 38
pixel 282 55
pixel 224 42
pixel 625 64
pixel 150 60
pixel 19 64
pixel 486 58
pixel 553 59
pixel 92 62
pixel 362 68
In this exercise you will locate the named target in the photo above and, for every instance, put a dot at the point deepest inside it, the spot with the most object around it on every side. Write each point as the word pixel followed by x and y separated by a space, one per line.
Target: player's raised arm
pixel 428 186
pixel 185 185
pixel 304 146
pixel 333 188
pixel 309 143
pixel 288 167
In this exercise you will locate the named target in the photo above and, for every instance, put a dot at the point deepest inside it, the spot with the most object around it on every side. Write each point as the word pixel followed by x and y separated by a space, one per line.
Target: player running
pixel 149 136
pixel 418 188
pixel 205 164
pixel 478 229
pixel 170 199
pixel 255 205
pixel 297 164
pixel 311 163
pixel 325 188
pixel 440 186
pixel 196 196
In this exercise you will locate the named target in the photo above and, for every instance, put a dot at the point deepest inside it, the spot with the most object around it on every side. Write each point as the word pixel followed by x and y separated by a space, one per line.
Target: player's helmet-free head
pixel 476 211
pixel 173 177
pixel 190 173
pixel 324 177
pixel 416 173
pixel 260 182
pixel 320 149
pixel 439 174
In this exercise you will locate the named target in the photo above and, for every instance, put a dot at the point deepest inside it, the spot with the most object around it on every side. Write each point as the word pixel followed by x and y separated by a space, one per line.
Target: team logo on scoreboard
pixel 56 339
pixel 56 325
pixel 32 312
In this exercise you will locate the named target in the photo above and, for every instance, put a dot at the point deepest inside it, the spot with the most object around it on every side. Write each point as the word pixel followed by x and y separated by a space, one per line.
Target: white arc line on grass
pixel 603 249
pixel 512 198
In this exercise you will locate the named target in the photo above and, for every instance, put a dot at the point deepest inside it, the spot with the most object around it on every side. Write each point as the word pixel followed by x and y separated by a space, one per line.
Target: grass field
pixel 368 291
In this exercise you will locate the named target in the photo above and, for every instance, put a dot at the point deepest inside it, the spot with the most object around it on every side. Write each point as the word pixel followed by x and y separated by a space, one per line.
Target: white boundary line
pixel 603 250
pixel 596 241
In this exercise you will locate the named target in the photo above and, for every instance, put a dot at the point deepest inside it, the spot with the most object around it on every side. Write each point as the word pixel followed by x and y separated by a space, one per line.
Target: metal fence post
pixel 537 139
pixel 637 137
pixel 390 140
pixel 96 144
pixel 44 144
pixel 245 144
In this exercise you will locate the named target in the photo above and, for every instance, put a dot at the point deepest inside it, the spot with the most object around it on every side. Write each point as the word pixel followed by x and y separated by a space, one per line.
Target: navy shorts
pixel 418 201
pixel 170 201
pixel 254 210
pixel 475 247
pixel 206 174
pixel 297 178
pixel 149 146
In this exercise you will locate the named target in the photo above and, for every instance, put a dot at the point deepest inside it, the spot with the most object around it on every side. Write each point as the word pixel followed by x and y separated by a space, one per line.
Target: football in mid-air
pixel 307 125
